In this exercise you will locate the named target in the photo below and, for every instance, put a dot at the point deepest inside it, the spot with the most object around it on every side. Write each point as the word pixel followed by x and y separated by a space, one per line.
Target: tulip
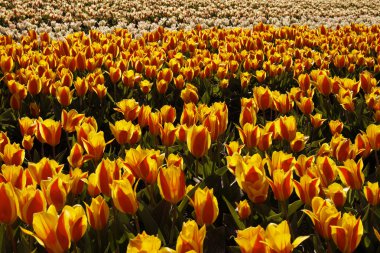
pixel 81 86
pixel 351 174
pixel 347 233
pixel 278 238
pixel 13 174
pixel 261 75
pixel 304 81
pixel 92 185
pixel 124 196
pixel 44 169
pixel 191 238
pixel 129 108
pixel 326 170
pixel 307 188
pixel 337 194
pixel 283 103
pixel 95 145
pixel 172 185
pixel 168 114
pixel 31 200
pixel 154 123
pixel 56 190
pixel 372 193
pixel 198 140
pixel 189 115
pixel 306 105
pixel 145 86
pixel 83 131
pixel 248 115
pixel 336 126
pixel 144 243
pixel 233 147
pixel 27 125
pixel 168 134
pixel 70 120
pixel 49 131
pixel 205 205
pixel 76 158
pixel 115 75
pixel 250 176
pixel 373 133
pixel 323 216
pixel 316 120
pixel 243 209
pixel 6 63
pixel 77 221
pixel 64 95
pixel 190 94
pixel 299 142
pixel 97 213
pixel 100 90
pixel 250 135
pixel 107 171
pixel 52 231
pixel 323 84
pixel 362 144
pixel 367 82
pixel 144 163
pixel 143 116
pixel 125 132
pixel 263 97
pixel 288 128
pixel 213 125
pixel 303 164
pixel 280 160
pixel 27 142
pixel 12 154
pixel 9 204
pixel 282 184
pixel 252 240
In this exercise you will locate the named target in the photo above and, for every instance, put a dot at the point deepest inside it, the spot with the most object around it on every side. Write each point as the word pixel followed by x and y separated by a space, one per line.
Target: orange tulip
pixel 307 188
pixel 205 205
pixel 95 145
pixel 306 105
pixel 337 194
pixel 189 115
pixel 92 185
pixel 263 97
pixel 323 84
pixel 31 201
pixel 336 126
pixel 70 120
pixel 288 128
pixel 278 238
pixel 56 190
pixel 351 174
pixel 251 178
pixel 326 170
pixel 124 197
pixel 243 209
pixel 198 140
pixel 12 154
pixel 107 171
pixel 97 213
pixel 233 147
pixel 172 185
pixel 125 132
pixel 324 215
pixel 250 135
pixel 78 179
pixel 372 193
pixel 129 108
pixel 76 157
pixel 373 133
pixel 9 204
pixel 52 231
pixel 44 169
pixel 283 103
pixel 191 238
pixel 252 240
pixel 49 131
pixel 64 95
pixel 248 115
pixel 299 142
pixel 168 114
pixel 154 123
pixel 190 94
pixel 168 134
pixel 282 184
pixel 27 125
pixel 280 160
pixel 347 233
pixel 145 243
pixel 316 120
pixel 77 221
pixel 303 164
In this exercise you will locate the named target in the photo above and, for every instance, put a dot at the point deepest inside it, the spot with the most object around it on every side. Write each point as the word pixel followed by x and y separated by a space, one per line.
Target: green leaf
pixel 149 223
pixel 185 200
pixel 221 171
pixel 293 207
pixel 234 214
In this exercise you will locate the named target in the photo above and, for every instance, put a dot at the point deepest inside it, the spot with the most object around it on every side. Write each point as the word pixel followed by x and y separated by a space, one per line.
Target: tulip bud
pixel 244 210
pixel 337 194
pixel 124 197
pixel 172 185
pixel 191 238
pixel 206 206
pixel 198 140
pixel 97 213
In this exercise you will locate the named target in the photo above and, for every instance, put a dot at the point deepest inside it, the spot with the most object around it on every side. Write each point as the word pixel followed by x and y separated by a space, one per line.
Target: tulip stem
pixel 99 239
pixel 137 223
pixel 377 164
pixel 11 238
pixel 284 209
pixel 196 167
pixel 174 213
pixel 53 152
pixel 151 193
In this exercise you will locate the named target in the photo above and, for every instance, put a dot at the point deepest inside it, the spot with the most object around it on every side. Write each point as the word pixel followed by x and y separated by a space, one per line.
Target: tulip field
pixel 257 139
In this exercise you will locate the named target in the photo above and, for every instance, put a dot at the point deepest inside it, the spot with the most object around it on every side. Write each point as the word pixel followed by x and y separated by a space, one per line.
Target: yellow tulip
pixel 9 204
pixel 125 132
pixel 191 238
pixel 97 213
pixel 77 221
pixel 373 133
pixel 351 174
pixel 252 240
pixel 49 132
pixel 205 205
pixel 347 233
pixel 31 201
pixel 12 154
pixel 172 184
pixel 198 140
pixel 124 197
pixel 95 145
